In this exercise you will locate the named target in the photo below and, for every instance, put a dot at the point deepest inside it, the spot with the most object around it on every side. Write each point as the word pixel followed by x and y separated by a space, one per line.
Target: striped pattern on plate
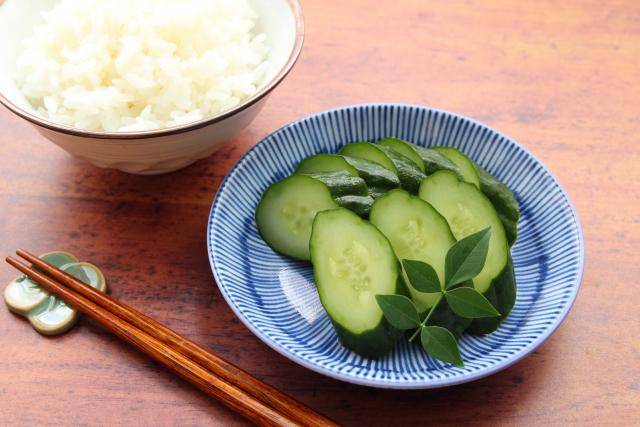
pixel 276 298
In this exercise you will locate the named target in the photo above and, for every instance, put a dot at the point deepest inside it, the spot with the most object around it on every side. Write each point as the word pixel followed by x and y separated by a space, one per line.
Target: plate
pixel 275 297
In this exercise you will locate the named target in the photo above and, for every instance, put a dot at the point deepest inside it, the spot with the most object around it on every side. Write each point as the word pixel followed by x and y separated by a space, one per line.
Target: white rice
pixel 132 65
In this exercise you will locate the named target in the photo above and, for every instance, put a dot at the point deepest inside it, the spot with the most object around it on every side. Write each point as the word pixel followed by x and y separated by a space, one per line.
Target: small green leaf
pixel 441 344
pixel 422 276
pixel 469 303
pixel 466 258
pixel 399 311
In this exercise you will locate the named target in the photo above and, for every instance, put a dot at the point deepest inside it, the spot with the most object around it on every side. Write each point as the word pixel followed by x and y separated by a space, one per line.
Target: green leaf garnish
pixel 466 258
pixel 441 344
pixel 399 311
pixel 422 276
pixel 469 303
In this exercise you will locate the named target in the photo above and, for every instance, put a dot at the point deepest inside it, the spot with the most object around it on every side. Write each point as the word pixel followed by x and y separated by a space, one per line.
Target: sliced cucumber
pixel 406 149
pixel 416 232
pixel 502 295
pixel 503 200
pixel 466 166
pixel 410 175
pixel 286 211
pixel 368 151
pixel 347 190
pixel 379 180
pixel 468 210
pixel 435 161
pixel 352 263
pixel 341 183
pixel 408 172
pixel 360 205
pixel 325 163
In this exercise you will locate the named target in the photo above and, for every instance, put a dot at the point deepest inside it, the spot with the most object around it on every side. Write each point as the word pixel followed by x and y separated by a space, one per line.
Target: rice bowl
pixel 159 150
pixel 138 65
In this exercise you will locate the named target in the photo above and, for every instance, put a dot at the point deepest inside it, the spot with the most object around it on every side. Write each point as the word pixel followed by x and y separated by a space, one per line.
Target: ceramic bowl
pixel 276 298
pixel 162 150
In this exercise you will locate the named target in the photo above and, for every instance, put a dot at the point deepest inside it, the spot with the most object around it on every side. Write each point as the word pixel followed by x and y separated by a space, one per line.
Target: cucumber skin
pixel 360 205
pixel 379 179
pixel 341 183
pixel 502 295
pixel 396 143
pixel 409 173
pixel 503 200
pixel 348 191
pixel 377 342
pixel 434 161
pixel 463 162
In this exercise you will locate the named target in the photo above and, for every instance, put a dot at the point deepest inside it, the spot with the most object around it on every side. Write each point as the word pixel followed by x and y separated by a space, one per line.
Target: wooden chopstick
pixel 217 365
pixel 226 392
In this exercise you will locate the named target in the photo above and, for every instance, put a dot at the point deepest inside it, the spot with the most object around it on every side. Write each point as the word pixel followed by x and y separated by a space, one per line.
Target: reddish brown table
pixel 562 78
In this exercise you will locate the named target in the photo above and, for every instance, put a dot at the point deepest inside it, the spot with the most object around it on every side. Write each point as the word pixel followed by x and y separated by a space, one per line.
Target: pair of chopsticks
pixel 237 389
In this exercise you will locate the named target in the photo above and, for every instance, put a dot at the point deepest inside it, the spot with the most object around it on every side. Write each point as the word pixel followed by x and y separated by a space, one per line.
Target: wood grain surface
pixel 562 78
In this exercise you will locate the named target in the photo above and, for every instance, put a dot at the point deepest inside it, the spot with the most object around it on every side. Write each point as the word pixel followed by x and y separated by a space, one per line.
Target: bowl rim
pixel 296 9
pixel 420 384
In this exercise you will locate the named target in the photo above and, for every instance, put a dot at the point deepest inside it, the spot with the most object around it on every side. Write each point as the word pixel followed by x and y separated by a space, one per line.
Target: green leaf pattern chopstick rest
pixel 46 313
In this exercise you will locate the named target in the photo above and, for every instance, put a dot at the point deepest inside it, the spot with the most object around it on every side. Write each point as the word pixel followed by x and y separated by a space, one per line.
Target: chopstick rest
pixel 48 314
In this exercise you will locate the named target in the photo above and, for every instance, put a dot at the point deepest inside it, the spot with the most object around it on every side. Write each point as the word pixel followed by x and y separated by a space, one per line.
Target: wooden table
pixel 562 78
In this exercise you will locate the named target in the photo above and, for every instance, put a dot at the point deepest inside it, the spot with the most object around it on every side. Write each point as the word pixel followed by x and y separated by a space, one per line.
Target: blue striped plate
pixel 276 298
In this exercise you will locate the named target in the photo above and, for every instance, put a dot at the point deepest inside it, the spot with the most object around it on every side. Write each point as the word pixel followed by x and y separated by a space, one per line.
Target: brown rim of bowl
pixel 296 9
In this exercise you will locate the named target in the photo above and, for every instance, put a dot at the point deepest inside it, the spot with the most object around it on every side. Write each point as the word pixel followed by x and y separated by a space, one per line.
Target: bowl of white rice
pixel 144 86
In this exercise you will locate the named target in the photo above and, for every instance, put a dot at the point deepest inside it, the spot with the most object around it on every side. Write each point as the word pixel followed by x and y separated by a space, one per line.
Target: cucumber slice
pixel 348 191
pixel 325 163
pixel 406 149
pixel 435 161
pixel 286 211
pixel 379 180
pixel 416 232
pixel 408 172
pixel 502 295
pixel 360 205
pixel 503 200
pixel 341 183
pixel 352 263
pixel 368 151
pixel 466 166
pixel 410 175
pixel 468 210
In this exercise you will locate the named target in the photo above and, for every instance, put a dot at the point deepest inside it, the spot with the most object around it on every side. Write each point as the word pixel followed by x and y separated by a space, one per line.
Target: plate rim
pixel 408 384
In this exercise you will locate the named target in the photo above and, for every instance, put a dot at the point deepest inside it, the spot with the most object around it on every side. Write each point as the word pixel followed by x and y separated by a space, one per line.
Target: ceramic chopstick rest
pixel 46 313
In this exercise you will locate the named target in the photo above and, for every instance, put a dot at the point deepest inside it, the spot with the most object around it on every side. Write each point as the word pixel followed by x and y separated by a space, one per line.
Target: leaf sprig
pixel 464 260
